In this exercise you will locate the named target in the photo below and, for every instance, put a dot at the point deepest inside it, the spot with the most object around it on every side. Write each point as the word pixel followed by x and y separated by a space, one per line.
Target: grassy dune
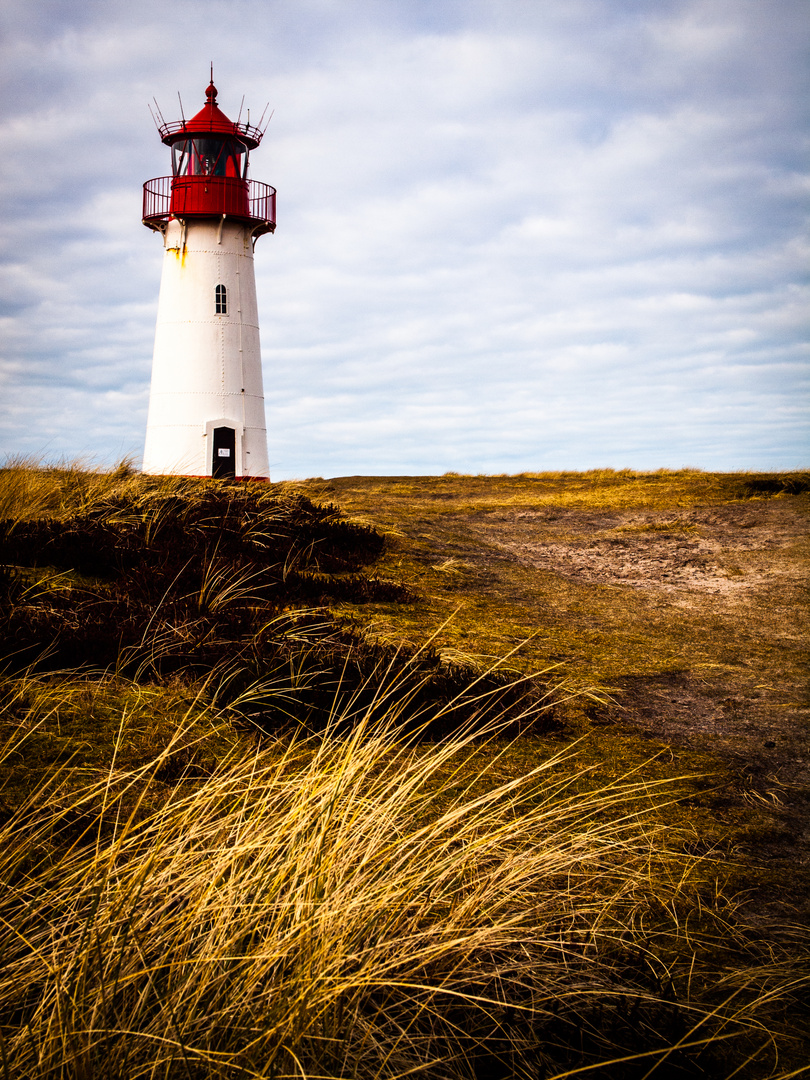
pixel 263 816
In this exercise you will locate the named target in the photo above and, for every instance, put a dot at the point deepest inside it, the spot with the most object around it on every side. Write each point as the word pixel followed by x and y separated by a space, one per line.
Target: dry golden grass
pixel 369 906
pixel 184 897
pixel 29 491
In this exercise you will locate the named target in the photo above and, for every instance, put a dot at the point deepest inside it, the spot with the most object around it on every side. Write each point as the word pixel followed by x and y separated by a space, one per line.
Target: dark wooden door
pixel 224 460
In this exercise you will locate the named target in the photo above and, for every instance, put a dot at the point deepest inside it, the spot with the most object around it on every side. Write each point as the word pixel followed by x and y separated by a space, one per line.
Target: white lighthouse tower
pixel 206 405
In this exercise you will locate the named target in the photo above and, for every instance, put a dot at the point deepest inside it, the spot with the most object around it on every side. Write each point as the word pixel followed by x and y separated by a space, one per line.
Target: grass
pixel 446 539
pixel 370 905
pixel 243 837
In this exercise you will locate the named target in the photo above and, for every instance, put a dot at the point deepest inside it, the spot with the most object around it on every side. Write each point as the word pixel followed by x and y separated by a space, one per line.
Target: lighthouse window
pixel 238 159
pixel 220 300
pixel 181 158
pixel 209 157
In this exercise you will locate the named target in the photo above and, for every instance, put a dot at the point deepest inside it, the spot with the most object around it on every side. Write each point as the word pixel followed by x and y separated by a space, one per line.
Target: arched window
pixel 221 300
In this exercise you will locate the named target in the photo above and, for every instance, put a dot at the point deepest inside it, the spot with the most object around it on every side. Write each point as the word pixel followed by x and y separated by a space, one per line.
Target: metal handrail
pixel 157 203
pixel 157 198
pixel 262 201
pixel 184 127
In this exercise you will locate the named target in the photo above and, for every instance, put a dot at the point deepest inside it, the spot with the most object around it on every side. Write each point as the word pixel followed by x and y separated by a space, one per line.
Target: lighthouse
pixel 206 403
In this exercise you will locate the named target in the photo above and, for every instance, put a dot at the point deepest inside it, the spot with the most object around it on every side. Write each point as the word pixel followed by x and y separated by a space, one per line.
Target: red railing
pixel 157 200
pixel 244 131
pixel 209 196
pixel 262 203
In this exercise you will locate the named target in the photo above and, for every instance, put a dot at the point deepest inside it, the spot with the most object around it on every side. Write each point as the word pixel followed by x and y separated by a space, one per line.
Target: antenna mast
pixel 160 114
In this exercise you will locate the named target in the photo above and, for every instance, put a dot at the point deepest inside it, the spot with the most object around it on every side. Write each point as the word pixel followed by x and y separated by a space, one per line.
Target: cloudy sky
pixel 512 234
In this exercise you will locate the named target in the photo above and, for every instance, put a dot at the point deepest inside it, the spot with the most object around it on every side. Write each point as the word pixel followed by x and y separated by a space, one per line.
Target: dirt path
pixel 724 550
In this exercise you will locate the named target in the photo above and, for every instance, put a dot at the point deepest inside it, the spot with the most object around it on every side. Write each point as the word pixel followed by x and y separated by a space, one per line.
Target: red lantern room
pixel 209 173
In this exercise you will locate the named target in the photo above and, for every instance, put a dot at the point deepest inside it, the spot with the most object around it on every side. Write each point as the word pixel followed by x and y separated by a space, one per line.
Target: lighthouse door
pixel 223 464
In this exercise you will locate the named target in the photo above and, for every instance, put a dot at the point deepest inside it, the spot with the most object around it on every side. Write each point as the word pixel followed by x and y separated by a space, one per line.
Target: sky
pixel 513 235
